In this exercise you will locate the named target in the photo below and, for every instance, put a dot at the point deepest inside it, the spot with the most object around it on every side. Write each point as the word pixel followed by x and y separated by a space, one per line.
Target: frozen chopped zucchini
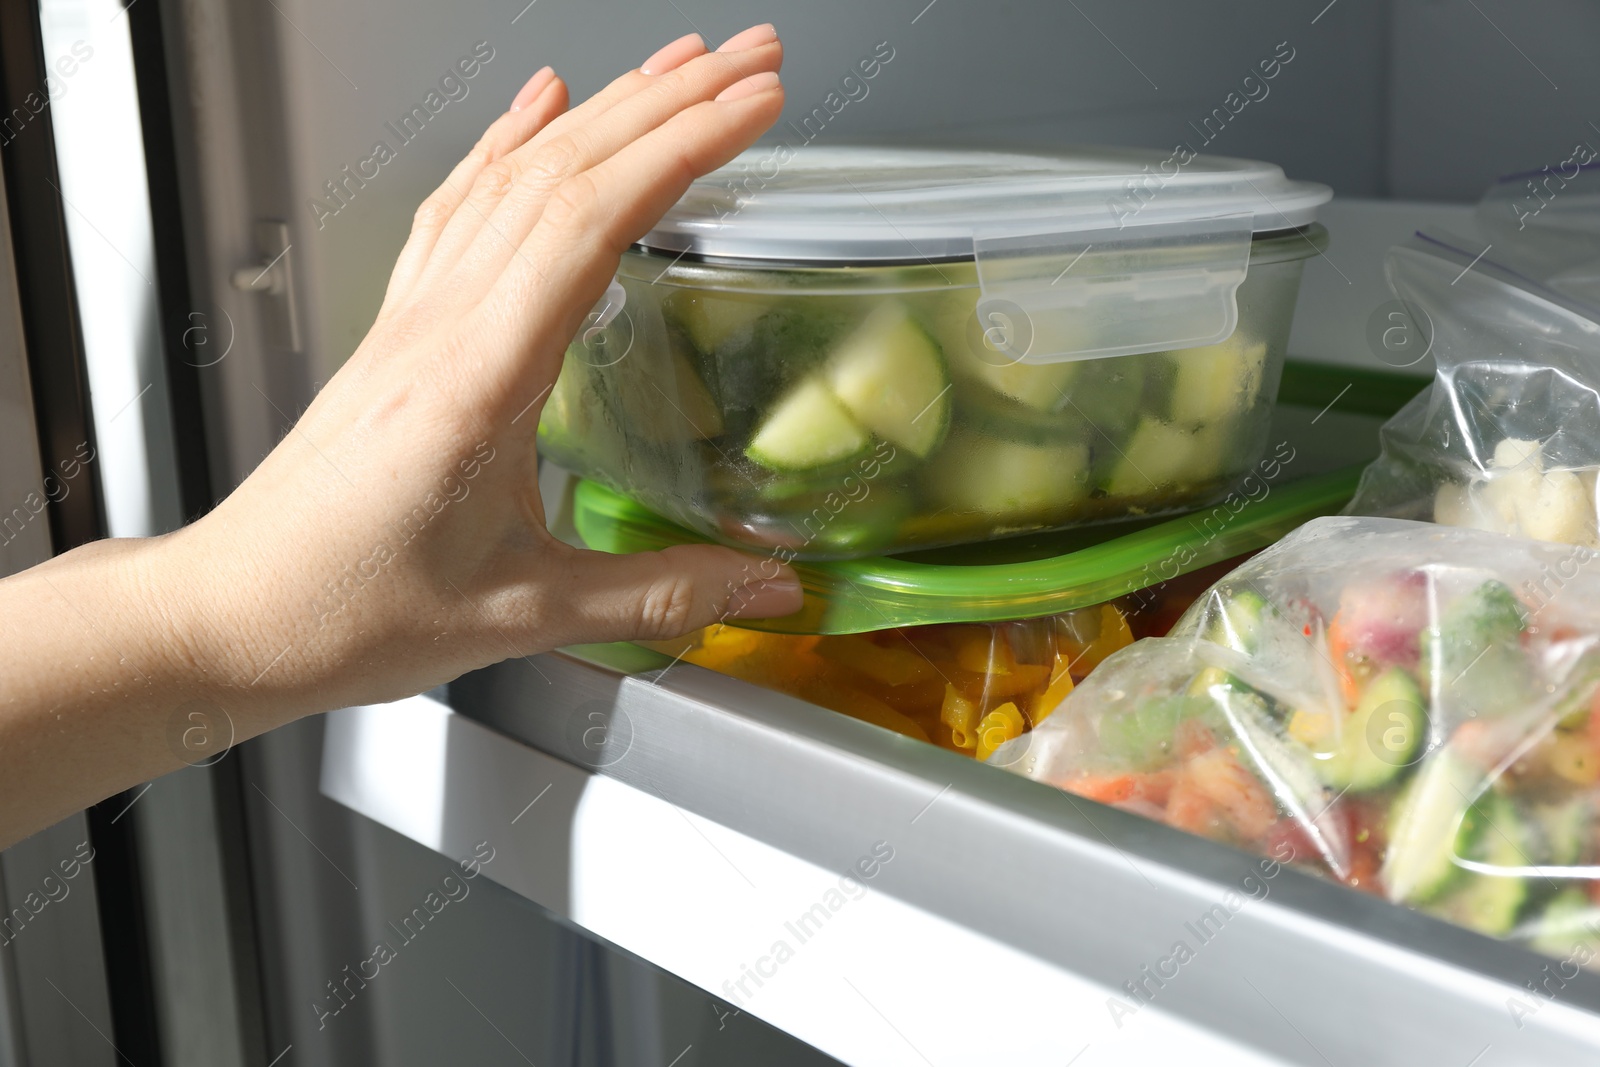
pixel 1217 382
pixel 1162 456
pixel 838 511
pixel 807 429
pixel 565 415
pixel 1238 617
pixel 1475 654
pixel 674 410
pixel 756 368
pixel 1381 737
pixel 1432 821
pixel 1112 394
pixel 891 376
pixel 1039 387
pixel 1564 830
pixel 1486 900
pixel 1008 480
pixel 1567 923
pixel 710 319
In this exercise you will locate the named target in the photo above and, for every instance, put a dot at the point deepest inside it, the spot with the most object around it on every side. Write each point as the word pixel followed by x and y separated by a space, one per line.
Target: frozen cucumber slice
pixel 1008 480
pixel 1485 902
pixel 1217 382
pixel 1564 830
pixel 1479 667
pixel 710 319
pixel 1237 623
pixel 891 376
pixel 1567 922
pixel 1162 456
pixel 1432 821
pixel 1381 737
pixel 807 429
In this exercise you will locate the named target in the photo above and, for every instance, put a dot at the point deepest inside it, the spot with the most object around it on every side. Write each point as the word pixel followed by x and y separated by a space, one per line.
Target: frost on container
pixel 1412 708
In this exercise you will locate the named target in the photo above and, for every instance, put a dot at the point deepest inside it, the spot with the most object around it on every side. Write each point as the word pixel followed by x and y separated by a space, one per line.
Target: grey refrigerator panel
pixel 356 114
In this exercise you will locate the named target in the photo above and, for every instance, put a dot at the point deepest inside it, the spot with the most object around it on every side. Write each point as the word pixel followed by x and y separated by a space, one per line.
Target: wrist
pixel 209 633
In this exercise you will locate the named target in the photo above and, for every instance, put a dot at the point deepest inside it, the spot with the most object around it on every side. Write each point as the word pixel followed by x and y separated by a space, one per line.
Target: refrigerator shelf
pixel 696 820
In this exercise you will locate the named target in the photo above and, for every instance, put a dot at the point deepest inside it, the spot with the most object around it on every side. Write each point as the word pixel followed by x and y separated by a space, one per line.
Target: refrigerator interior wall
pixel 1422 99
pixel 1145 74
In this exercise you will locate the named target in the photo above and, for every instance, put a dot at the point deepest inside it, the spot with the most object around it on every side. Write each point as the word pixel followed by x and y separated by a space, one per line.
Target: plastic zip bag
pixel 1410 708
pixel 1545 224
pixel 1507 437
pixel 967 687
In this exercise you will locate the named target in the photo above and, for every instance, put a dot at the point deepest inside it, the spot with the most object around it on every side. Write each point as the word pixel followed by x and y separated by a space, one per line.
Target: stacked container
pixel 844 356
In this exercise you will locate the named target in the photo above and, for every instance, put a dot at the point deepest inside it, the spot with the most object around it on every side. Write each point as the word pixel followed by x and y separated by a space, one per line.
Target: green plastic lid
pixel 998 580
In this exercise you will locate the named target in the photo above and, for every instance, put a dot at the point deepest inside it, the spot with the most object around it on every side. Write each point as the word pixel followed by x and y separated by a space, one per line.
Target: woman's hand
pixel 395 538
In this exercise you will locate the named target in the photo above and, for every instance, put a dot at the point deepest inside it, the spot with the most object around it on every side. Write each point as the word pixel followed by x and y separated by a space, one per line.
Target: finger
pixel 458 233
pixel 657 595
pixel 668 58
pixel 527 177
pixel 543 294
pixel 543 98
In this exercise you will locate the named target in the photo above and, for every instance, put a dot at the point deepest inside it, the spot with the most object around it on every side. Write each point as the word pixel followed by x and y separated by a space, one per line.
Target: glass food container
pixel 857 351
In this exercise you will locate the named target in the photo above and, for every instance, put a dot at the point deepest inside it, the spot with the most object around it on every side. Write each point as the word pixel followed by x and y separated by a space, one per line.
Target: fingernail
pixel 754 37
pixel 675 54
pixel 773 598
pixel 530 92
pixel 756 83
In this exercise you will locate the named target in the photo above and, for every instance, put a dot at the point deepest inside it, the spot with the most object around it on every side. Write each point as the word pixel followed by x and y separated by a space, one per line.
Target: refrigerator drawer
pixel 891 903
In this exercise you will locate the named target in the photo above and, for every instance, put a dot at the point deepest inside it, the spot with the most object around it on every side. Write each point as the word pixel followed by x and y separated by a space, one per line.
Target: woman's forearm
pixel 394 539
pixel 96 666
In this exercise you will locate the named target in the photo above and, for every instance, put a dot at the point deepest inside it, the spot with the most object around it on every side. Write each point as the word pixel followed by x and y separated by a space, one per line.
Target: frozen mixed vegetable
pixel 1507 436
pixel 1415 709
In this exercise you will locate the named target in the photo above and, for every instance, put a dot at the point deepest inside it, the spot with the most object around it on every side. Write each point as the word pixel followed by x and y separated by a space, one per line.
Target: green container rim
pixel 884 592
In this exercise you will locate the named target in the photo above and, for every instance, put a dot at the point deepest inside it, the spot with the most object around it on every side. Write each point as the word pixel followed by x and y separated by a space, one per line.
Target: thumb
pixel 657 595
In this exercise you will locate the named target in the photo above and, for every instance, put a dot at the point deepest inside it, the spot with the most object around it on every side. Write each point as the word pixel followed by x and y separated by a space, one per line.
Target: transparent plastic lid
pixel 1086 254
pixel 859 204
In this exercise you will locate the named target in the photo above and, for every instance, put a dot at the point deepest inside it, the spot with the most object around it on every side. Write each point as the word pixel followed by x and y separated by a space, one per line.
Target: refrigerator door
pixel 54 990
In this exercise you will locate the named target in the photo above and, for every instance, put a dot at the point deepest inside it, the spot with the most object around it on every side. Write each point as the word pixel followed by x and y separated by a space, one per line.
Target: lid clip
pixel 1115 291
